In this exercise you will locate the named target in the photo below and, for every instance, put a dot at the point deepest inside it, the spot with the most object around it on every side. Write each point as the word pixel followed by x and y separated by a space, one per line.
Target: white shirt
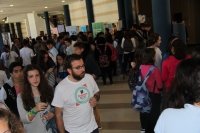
pixel 54 52
pixel 3 78
pixel 70 50
pixel 8 58
pixel 184 120
pixel 74 97
pixel 26 54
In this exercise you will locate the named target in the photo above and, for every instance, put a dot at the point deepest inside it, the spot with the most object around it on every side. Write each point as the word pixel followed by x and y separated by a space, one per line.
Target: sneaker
pixel 99 128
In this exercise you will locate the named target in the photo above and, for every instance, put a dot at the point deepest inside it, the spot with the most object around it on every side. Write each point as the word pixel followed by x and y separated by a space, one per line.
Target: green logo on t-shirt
pixel 82 95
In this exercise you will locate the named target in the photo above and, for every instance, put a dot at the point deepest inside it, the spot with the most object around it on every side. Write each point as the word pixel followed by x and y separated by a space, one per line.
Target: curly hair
pixel 46 92
pixel 180 49
pixel 13 122
pixel 148 56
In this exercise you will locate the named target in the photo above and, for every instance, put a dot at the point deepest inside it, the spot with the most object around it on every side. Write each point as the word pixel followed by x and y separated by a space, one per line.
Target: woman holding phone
pixel 34 101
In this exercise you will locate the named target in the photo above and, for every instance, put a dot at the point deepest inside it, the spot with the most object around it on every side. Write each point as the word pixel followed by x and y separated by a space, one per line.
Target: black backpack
pixel 128 45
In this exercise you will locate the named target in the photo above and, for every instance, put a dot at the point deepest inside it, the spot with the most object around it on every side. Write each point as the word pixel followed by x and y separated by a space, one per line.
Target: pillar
pixel 121 12
pixel 128 13
pixel 67 15
pixel 1 41
pixel 46 15
pixel 55 21
pixel 162 20
pixel 19 30
pixel 7 28
pixel 90 13
pixel 13 30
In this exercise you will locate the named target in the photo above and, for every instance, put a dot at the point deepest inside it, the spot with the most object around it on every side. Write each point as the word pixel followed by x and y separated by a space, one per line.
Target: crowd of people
pixel 49 83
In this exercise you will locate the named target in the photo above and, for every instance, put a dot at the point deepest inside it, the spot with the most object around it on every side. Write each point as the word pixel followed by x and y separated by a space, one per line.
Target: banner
pixel 72 30
pixel 83 28
pixel 61 28
pixel 141 18
pixel 97 27
pixel 110 27
pixel 6 39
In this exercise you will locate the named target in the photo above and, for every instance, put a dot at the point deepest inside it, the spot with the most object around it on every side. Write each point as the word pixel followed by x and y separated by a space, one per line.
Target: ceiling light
pixel 45 7
pixel 63 1
pixel 3 20
pixel 11 5
pixel 1 11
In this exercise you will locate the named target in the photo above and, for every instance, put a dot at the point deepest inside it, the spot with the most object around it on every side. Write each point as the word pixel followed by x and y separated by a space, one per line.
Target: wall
pixel 104 11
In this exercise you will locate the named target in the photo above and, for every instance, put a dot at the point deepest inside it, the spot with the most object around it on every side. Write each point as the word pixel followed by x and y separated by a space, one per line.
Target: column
pixel 46 15
pixel 121 12
pixel 19 30
pixel 162 20
pixel 13 30
pixel 128 13
pixel 1 41
pixel 55 21
pixel 90 13
pixel 7 28
pixel 67 15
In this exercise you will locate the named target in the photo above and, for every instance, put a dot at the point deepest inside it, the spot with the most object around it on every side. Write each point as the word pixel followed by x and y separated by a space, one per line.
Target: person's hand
pixel 133 64
pixel 40 107
pixel 50 70
pixel 48 116
pixel 92 102
pixel 94 76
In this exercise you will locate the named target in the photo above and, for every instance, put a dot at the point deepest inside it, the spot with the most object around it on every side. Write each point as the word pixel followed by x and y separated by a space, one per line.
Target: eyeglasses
pixel 79 67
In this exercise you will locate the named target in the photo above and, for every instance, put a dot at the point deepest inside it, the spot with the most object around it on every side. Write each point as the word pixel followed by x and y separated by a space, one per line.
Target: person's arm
pixel 3 95
pixel 159 84
pixel 165 73
pixel 59 120
pixel 4 77
pixel 122 43
pixel 93 66
pixel 93 100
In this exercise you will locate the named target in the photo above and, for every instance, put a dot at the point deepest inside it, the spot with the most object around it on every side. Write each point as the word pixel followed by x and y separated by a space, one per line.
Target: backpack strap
pixel 105 49
pixel 98 49
pixel 149 73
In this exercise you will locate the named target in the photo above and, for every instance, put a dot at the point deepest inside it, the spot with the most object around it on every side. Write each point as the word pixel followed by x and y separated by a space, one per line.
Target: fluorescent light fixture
pixel 63 1
pixel 3 20
pixel 1 11
pixel 45 7
pixel 11 5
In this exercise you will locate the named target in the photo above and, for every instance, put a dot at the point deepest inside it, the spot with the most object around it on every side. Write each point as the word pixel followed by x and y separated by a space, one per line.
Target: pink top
pixel 155 76
pixel 17 89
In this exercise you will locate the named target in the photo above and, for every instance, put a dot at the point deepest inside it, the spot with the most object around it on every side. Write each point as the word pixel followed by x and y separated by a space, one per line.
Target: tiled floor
pixel 117 115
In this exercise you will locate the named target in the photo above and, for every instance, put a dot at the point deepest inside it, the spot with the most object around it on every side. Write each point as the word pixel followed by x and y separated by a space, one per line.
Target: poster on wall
pixel 83 28
pixel 61 28
pixel 97 27
pixel 55 31
pixel 141 18
pixel 6 38
pixel 110 27
pixel 72 30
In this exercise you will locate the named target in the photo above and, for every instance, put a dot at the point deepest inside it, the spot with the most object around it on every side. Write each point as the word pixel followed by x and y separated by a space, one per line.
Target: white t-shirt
pixel 26 54
pixel 158 60
pixel 8 58
pixel 70 50
pixel 74 97
pixel 184 120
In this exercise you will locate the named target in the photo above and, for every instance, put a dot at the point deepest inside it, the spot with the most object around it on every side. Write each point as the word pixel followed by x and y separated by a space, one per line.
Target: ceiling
pixel 29 6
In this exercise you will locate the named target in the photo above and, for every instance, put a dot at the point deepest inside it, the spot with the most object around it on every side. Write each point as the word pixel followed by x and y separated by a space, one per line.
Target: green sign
pixel 97 27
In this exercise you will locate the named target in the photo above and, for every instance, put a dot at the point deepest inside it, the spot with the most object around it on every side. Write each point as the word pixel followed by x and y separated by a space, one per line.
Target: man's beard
pixel 78 77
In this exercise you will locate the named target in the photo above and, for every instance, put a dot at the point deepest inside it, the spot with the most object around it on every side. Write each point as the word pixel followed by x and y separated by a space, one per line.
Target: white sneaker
pixel 142 131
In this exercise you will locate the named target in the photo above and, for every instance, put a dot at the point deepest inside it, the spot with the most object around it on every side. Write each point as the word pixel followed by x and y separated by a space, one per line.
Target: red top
pixel 155 76
pixel 169 66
